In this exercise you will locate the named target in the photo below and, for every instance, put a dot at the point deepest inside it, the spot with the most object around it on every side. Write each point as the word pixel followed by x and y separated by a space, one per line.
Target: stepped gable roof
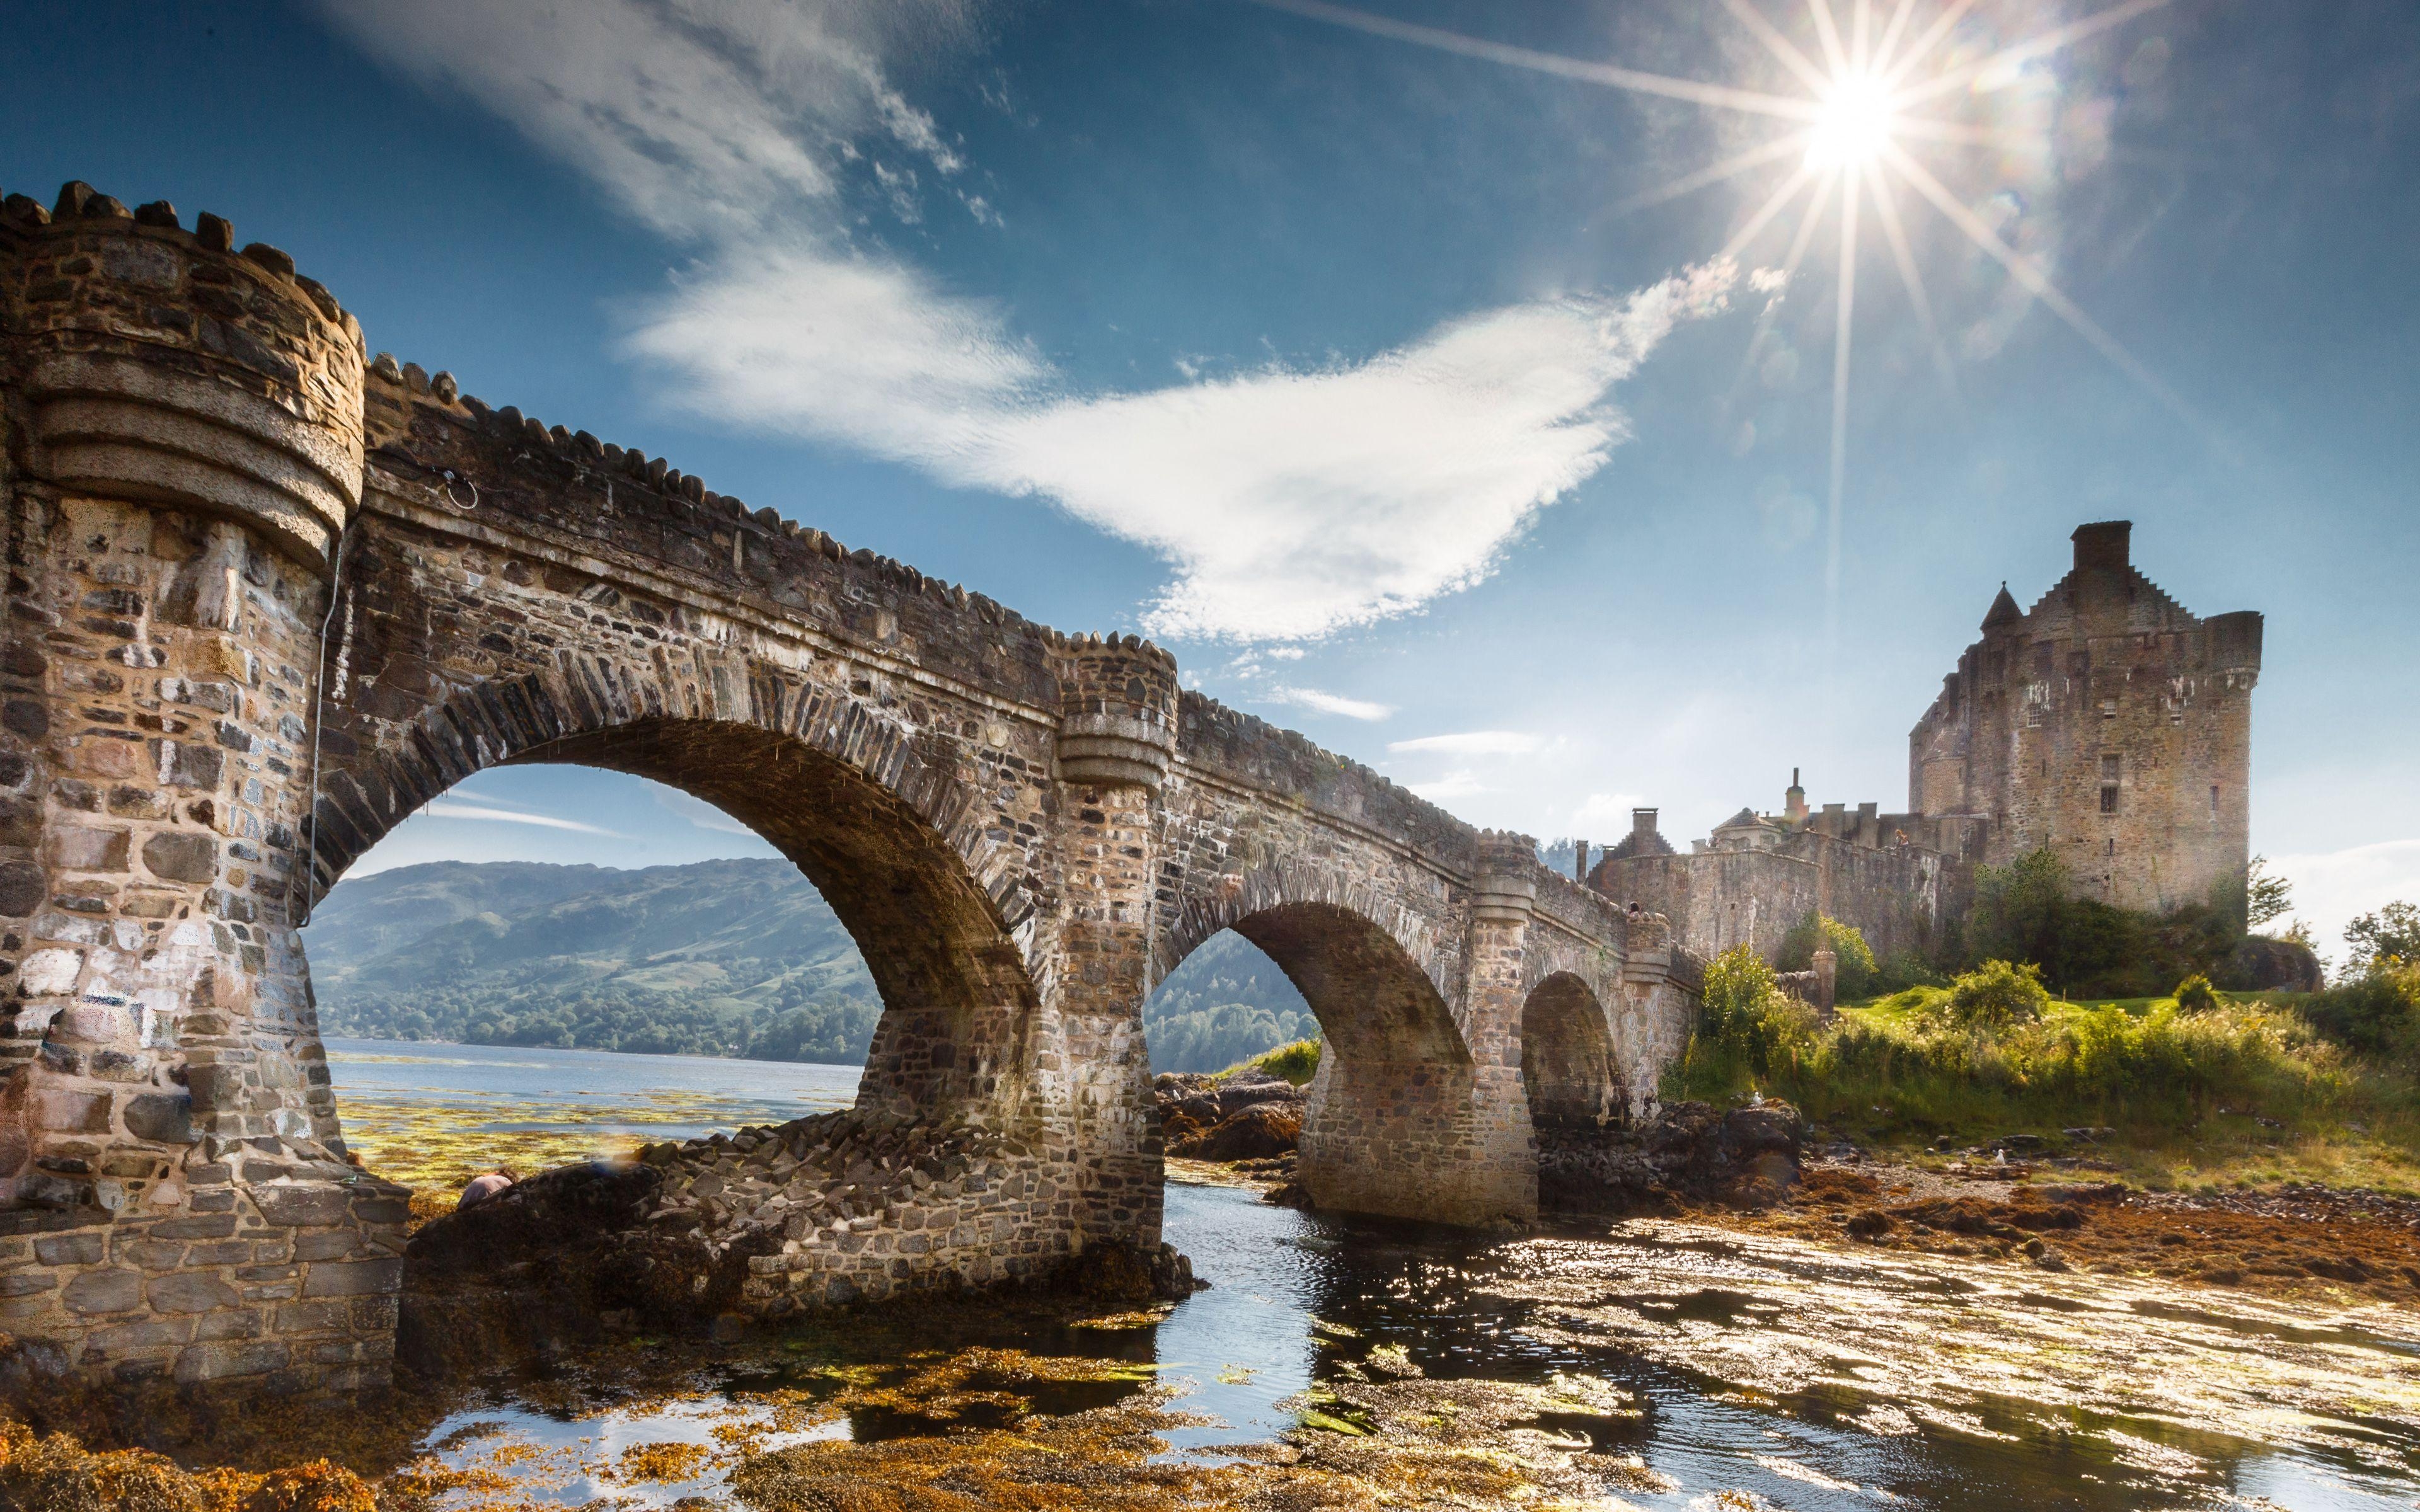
pixel 1634 843
pixel 2004 610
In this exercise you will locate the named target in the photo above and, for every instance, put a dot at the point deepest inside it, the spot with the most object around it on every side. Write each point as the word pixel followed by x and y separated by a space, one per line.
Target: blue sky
pixel 1339 350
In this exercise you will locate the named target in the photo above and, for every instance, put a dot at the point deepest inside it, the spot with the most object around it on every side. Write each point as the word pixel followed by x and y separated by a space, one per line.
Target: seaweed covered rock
pixel 1689 1153
pixel 1248 1115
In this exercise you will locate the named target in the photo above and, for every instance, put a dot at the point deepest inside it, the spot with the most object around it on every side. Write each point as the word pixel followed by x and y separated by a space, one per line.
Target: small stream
pixel 1761 1372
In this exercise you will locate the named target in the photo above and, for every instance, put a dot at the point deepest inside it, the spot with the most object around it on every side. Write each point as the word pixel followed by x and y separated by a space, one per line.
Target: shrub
pixel 1996 994
pixel 1744 1020
pixel 2376 1014
pixel 2195 994
pixel 1853 966
pixel 1904 969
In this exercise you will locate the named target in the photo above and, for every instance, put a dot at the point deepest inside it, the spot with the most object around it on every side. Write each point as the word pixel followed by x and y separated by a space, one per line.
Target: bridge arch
pixel 1568 1063
pixel 890 837
pixel 1393 1112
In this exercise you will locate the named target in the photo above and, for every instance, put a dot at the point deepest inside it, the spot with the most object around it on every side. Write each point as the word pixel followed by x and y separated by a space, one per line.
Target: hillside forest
pixel 738 958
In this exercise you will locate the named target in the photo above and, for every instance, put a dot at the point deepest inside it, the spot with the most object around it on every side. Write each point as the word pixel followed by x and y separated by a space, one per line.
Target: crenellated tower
pixel 2107 723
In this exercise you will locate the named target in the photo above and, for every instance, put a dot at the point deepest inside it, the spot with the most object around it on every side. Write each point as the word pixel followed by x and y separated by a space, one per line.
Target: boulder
pixel 1259 1131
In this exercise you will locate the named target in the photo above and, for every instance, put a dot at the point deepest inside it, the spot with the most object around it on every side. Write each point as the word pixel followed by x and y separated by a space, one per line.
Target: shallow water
pixel 1782 1373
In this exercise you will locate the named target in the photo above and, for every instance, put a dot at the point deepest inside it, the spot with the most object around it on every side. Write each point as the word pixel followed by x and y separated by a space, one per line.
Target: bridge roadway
pixel 1023 830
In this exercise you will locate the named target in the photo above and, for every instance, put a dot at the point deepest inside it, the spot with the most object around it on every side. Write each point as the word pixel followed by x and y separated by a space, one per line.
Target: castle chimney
pixel 1642 824
pixel 2104 546
pixel 1579 859
pixel 1793 802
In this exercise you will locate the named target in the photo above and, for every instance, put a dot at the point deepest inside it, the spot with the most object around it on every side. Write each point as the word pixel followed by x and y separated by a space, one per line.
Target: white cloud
pixel 1452 785
pixel 700 813
pixel 1289 501
pixel 1337 704
pixel 1605 813
pixel 448 809
pixel 1473 742
pixel 2332 887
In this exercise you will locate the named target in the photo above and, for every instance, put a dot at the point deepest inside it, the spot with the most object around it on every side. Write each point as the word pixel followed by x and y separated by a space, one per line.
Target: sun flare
pixel 1857 114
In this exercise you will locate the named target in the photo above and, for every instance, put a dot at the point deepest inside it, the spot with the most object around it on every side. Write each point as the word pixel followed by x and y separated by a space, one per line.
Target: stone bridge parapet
pixel 271 595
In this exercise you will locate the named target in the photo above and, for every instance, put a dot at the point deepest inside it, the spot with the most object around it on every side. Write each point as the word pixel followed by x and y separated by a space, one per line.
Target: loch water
pixel 1761 1372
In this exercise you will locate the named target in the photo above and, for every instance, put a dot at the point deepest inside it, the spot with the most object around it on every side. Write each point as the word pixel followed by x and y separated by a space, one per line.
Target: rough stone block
pixel 88 1247
pixel 223 1361
pixel 191 1291
pixel 352 1278
pixel 104 1291
pixel 304 1206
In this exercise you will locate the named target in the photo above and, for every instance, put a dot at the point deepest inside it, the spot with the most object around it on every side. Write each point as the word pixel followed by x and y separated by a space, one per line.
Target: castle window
pixel 2109 708
pixel 2109 770
pixel 2214 802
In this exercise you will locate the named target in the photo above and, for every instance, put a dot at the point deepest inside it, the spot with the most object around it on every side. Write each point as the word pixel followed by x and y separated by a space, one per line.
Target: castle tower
pixel 2107 723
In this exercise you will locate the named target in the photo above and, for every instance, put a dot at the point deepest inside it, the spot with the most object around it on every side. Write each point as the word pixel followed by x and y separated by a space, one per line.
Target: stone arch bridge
pixel 249 564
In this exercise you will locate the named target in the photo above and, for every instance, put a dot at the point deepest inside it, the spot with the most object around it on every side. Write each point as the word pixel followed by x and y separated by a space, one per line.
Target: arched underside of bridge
pixel 1391 1113
pixel 956 1000
pixel 1574 1081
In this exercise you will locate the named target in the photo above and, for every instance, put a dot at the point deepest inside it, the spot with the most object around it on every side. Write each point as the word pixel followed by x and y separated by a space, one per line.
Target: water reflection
pixel 1807 1377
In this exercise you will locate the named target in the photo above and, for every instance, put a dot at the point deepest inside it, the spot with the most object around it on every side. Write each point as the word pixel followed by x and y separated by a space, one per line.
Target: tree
pixel 2390 936
pixel 1853 960
pixel 2266 897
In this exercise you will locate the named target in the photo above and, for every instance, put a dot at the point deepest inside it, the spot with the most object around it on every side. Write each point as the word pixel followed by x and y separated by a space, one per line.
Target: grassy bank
pixel 2221 1087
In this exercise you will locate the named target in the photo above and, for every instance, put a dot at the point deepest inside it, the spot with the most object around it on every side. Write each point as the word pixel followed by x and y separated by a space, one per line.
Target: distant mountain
pixel 719 957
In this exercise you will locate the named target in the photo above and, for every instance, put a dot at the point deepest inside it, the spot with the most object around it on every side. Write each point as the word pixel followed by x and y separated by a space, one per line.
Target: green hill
pixel 719 957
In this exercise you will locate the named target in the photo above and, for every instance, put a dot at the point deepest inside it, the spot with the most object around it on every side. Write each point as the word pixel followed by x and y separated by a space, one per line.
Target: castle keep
pixel 2107 723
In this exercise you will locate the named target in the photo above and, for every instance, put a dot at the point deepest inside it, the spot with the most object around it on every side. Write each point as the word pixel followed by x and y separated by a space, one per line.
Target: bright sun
pixel 1854 125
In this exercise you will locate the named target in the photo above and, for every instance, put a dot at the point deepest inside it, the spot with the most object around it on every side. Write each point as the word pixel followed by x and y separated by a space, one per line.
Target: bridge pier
pixel 182 430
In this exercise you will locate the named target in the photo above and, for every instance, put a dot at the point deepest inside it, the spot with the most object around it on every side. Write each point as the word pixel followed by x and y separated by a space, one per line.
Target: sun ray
pixel 1895 233
pixel 2023 269
pixel 1929 39
pixel 1696 92
pixel 1828 32
pixel 1861 33
pixel 1850 200
pixel 1890 36
pixel 1730 167
pixel 1782 47
pixel 1770 207
pixel 2049 42
pixel 1798 244
pixel 1932 130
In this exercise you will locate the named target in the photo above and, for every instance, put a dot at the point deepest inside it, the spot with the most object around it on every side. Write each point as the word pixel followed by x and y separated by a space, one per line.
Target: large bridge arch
pixel 939 913
pixel 1396 1111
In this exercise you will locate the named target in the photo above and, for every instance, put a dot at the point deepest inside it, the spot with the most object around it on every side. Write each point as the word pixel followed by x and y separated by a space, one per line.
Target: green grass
pixel 2185 1094
pixel 1297 1062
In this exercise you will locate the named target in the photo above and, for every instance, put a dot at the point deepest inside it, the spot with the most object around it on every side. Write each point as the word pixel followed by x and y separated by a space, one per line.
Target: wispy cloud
pixel 1472 743
pixel 1289 501
pixel 700 813
pixel 1453 785
pixel 1605 813
pixel 1336 704
pixel 448 809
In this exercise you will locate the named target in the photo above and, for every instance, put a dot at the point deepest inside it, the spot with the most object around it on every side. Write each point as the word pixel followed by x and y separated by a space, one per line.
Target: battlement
pixel 161 364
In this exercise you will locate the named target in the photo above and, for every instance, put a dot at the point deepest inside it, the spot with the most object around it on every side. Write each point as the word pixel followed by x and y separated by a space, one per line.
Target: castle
pixel 2107 724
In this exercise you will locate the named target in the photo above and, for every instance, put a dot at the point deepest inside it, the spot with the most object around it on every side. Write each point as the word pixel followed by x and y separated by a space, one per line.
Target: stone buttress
pixel 184 443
